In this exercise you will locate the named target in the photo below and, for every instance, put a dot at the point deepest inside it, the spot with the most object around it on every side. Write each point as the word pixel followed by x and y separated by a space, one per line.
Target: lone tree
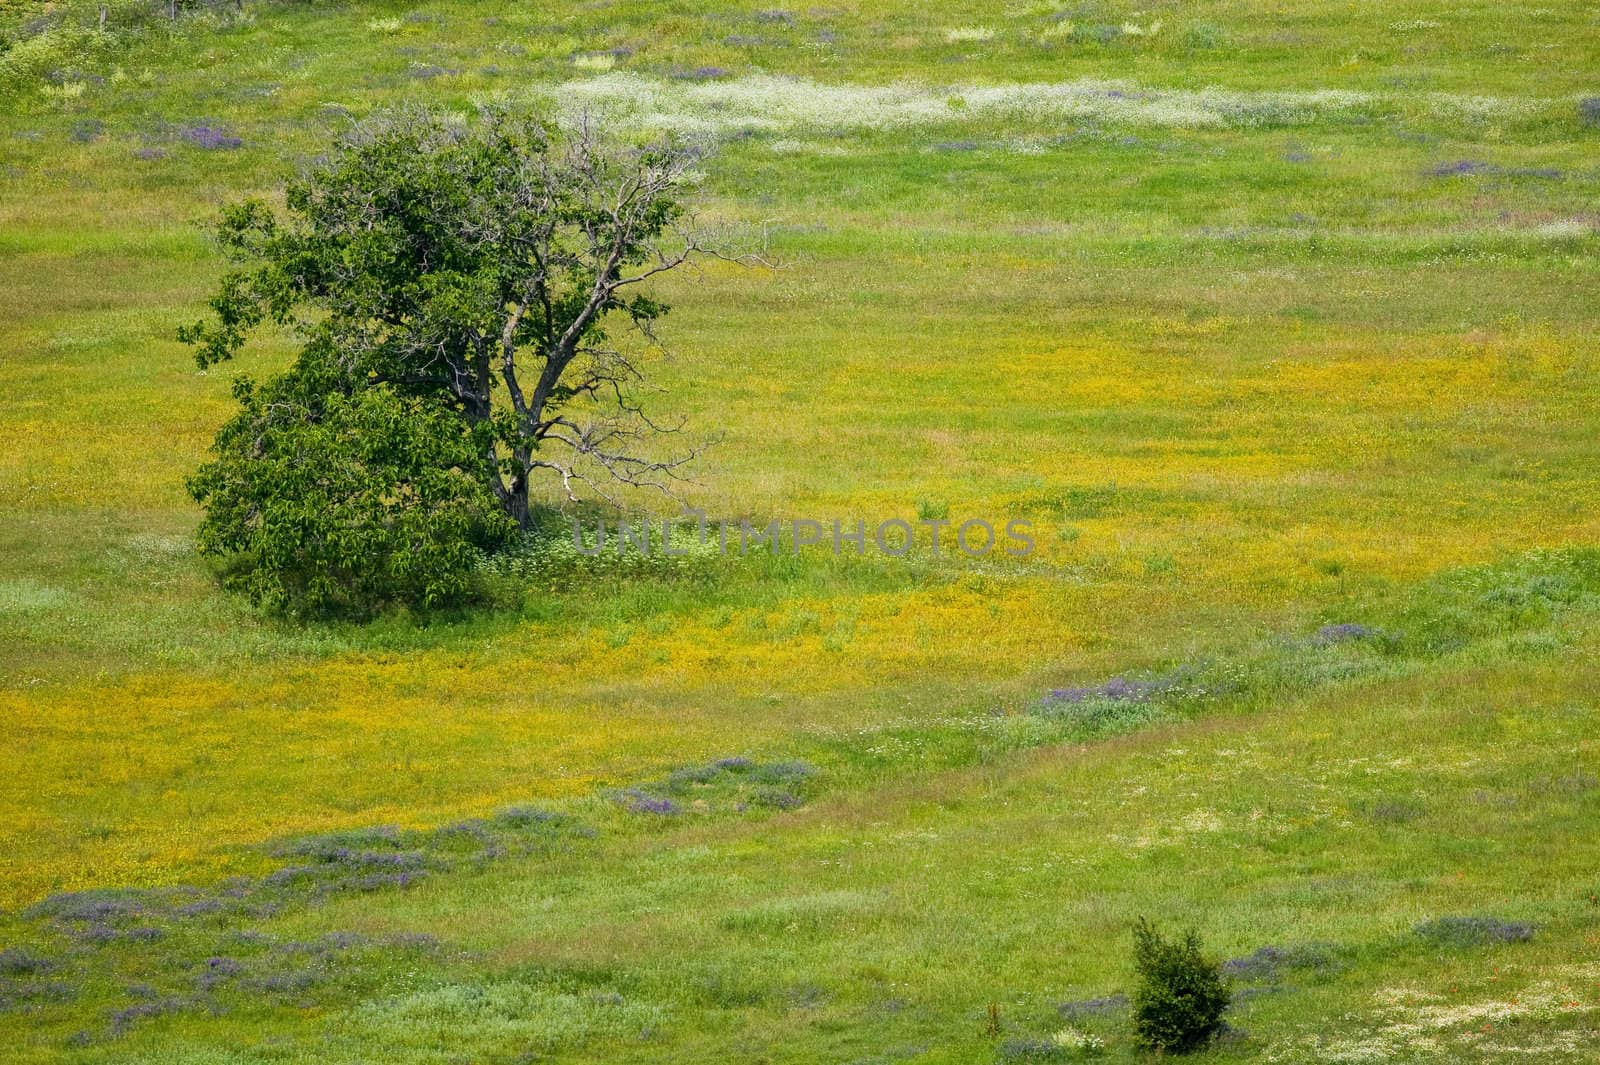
pixel 470 302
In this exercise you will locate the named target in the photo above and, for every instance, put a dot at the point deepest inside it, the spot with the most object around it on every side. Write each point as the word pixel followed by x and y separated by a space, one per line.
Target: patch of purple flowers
pixel 210 138
pixel 1093 1007
pixel 25 994
pixel 1474 931
pixel 216 971
pixel 96 905
pixel 1117 689
pixel 1028 1049
pixel 14 961
pixel 1478 168
pixel 18 961
pixel 642 802
pixel 1343 632
pixel 776 799
pixel 1460 168
pixel 736 783
pixel 701 74
pixel 1267 963
pixel 123 1019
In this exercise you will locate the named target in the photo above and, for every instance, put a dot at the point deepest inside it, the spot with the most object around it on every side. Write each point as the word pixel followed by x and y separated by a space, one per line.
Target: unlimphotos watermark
pixel 896 537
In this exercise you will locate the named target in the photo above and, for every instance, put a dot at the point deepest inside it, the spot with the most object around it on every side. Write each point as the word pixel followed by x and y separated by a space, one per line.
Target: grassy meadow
pixel 1277 321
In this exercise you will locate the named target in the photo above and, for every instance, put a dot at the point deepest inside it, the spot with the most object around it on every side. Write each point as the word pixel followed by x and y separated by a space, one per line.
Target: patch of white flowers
pixel 1133 29
pixel 1408 1020
pixel 1076 1040
pixel 782 104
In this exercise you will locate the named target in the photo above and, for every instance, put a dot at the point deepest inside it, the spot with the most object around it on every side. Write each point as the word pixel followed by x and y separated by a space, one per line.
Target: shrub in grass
pixel 1181 995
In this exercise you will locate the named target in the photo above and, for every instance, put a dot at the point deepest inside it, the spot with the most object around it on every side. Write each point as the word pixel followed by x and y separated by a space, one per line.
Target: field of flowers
pixel 1277 325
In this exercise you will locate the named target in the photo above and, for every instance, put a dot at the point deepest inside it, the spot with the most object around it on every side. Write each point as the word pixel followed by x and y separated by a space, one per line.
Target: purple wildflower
pixel 14 961
pixel 1342 633
pixel 1476 168
pixel 1093 1007
pixel 1474 931
pixel 1117 689
pixel 1267 963
pixel 217 971
pixel 125 1017
pixel 701 74
pixel 642 802
pixel 776 799
pixel 211 138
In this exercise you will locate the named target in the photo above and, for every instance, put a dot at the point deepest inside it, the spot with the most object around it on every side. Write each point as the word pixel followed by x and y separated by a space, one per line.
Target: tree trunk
pixel 517 502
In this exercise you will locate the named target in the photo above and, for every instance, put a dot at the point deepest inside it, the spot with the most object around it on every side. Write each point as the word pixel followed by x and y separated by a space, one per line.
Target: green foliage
pixel 422 261
pixel 1182 993
pixel 325 498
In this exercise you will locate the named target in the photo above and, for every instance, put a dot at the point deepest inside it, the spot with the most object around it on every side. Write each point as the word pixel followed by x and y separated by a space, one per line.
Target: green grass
pixel 1254 361
pixel 1329 799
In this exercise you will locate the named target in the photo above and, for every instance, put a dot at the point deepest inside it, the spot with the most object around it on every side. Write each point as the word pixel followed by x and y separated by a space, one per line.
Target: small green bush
pixel 1178 1004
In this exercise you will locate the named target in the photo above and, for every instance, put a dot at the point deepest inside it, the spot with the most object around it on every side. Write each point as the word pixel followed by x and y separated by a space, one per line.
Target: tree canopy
pixel 471 303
